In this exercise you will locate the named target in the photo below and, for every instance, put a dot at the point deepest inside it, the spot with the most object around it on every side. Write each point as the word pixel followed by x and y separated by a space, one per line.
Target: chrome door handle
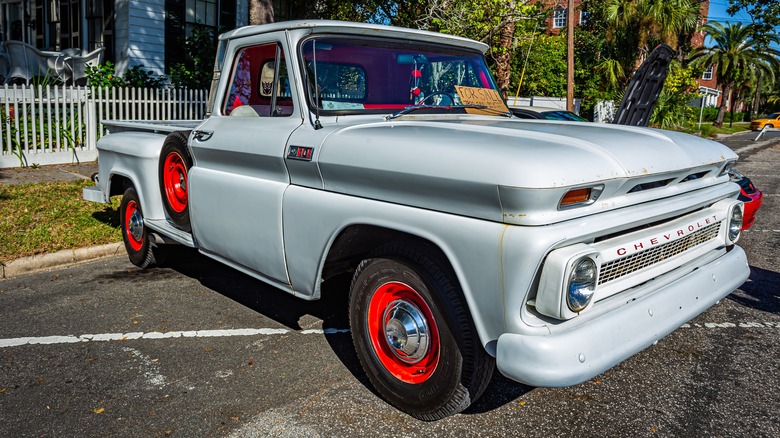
pixel 202 135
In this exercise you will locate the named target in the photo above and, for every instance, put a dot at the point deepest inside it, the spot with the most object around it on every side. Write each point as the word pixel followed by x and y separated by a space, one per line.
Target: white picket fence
pixel 56 125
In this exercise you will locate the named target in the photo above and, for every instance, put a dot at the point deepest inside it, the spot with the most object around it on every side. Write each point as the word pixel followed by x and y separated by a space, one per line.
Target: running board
pixel 164 227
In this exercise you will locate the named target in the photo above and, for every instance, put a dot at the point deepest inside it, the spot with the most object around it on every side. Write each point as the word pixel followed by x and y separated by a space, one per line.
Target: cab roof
pixel 352 28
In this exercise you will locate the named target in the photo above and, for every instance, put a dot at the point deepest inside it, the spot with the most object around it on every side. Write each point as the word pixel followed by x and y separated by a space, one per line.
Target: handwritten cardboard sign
pixel 487 97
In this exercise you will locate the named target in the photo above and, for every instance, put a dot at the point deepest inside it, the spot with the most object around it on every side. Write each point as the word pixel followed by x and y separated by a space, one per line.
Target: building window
pixel 559 18
pixel 203 12
pixel 584 17
pixel 707 76
pixel 69 24
pixel 182 16
pixel 100 27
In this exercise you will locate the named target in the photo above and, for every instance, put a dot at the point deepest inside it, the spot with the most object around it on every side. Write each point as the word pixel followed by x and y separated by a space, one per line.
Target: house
pixel 132 32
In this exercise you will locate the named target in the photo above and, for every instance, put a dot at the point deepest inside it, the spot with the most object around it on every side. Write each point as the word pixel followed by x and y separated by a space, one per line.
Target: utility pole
pixel 570 57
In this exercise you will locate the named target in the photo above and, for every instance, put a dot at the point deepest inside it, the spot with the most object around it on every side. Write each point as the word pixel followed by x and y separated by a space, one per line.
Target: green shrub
pixel 103 76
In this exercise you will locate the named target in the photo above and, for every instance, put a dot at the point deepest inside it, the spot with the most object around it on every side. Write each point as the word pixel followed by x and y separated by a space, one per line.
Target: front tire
pixel 138 244
pixel 414 336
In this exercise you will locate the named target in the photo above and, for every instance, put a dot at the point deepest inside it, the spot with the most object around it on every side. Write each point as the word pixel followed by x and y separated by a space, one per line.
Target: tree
pixel 494 22
pixel 641 24
pixel 261 12
pixel 765 13
pixel 737 56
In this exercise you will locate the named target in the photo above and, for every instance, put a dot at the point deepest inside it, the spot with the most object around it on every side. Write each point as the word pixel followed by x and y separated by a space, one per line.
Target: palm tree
pixel 639 23
pixel 738 56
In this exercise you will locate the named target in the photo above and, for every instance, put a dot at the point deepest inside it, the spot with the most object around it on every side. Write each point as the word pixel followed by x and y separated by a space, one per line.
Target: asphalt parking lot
pixel 198 349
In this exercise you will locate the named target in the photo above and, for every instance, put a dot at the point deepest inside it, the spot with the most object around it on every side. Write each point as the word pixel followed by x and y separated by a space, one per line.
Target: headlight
pixel 582 284
pixel 735 224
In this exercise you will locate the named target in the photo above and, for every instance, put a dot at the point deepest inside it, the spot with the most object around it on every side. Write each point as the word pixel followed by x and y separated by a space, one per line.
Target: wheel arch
pixel 356 242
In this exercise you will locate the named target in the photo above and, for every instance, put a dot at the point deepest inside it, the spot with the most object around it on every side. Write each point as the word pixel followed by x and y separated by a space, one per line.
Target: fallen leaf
pixel 208 350
pixel 40 379
pixel 597 381
pixel 521 402
pixel 2 390
pixel 653 430
pixel 99 410
pixel 251 362
pixel 234 418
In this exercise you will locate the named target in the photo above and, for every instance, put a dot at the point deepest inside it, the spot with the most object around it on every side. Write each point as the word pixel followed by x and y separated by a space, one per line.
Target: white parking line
pixel 72 339
pixel 714 325
pixel 761 231
pixel 104 337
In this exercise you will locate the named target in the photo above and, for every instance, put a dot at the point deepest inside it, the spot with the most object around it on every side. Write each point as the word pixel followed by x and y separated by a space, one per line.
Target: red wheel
pixel 174 166
pixel 413 333
pixel 403 332
pixel 140 249
pixel 134 225
pixel 175 181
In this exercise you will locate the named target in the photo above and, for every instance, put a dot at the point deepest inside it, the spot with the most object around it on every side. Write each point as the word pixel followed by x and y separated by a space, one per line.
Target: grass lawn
pixel 47 217
pixel 707 130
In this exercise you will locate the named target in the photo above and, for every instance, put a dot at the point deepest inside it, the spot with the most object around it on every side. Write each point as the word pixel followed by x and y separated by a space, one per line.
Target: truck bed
pixel 162 127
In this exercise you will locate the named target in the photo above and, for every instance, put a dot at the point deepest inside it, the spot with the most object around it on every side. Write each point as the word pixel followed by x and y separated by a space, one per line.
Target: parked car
pixel 552 250
pixel 750 195
pixel 538 112
pixel 769 120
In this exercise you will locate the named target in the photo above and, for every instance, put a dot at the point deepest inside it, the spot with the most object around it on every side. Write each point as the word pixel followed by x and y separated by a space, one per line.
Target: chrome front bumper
pixel 585 351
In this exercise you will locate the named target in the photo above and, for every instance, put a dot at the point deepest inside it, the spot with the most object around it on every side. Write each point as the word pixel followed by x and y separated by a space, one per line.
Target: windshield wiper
pixel 411 109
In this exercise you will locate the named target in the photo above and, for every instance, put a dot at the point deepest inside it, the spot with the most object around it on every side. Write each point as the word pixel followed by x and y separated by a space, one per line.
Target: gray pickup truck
pixel 553 250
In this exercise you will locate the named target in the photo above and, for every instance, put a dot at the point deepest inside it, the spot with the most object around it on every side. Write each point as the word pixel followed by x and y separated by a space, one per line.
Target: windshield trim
pixel 390 42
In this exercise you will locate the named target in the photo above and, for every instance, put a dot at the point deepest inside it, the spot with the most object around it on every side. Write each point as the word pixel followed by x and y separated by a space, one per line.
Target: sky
pixel 718 13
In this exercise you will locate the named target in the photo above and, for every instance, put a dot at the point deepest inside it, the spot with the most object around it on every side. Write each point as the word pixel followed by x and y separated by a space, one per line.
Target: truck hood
pixel 512 170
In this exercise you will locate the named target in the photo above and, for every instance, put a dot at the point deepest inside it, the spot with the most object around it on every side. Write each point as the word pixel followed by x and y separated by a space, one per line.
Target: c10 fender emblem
pixel 302 153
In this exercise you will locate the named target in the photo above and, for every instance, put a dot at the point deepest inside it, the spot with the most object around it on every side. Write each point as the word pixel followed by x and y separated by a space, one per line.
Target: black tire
pixel 456 368
pixel 138 244
pixel 174 166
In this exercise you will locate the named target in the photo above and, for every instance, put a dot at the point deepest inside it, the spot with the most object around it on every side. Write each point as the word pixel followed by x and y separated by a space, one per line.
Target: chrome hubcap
pixel 406 331
pixel 182 181
pixel 136 225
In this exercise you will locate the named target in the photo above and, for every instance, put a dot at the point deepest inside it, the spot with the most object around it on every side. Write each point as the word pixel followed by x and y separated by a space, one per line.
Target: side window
pixel 259 85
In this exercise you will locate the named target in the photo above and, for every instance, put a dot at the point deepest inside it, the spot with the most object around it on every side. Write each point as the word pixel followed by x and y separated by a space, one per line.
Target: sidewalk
pixel 59 172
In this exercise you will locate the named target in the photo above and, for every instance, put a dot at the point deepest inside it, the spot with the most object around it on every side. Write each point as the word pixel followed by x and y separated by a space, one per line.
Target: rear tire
pixel 175 163
pixel 413 333
pixel 138 244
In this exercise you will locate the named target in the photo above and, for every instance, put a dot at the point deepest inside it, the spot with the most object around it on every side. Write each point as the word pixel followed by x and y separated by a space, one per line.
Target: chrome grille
pixel 617 268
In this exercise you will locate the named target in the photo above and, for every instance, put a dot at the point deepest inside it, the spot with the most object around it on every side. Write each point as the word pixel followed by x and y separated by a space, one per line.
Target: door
pixel 239 176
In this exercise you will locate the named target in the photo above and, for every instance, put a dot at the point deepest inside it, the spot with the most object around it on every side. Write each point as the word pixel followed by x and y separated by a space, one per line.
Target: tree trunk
pixel 261 12
pixel 503 59
pixel 726 97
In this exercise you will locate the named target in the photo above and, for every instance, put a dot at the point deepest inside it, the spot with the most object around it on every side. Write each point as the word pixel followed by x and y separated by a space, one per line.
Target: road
pixel 197 349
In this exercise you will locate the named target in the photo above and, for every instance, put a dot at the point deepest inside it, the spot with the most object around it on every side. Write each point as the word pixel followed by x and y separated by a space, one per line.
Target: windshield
pixel 380 76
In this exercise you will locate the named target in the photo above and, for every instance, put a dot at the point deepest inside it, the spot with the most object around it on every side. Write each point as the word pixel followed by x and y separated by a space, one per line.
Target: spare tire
pixel 175 163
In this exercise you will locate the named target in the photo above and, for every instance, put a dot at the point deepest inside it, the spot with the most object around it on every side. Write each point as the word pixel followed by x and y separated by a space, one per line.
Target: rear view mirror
pixel 411 59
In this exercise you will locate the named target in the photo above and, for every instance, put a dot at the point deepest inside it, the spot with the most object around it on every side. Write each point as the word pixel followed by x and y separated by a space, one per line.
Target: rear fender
pixel 133 157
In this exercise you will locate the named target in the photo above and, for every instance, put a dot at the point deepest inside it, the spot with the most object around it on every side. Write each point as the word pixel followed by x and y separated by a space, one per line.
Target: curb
pixel 59 259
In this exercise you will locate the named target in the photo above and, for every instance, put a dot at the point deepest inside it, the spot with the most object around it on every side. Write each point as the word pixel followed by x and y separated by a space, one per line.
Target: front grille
pixel 635 262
